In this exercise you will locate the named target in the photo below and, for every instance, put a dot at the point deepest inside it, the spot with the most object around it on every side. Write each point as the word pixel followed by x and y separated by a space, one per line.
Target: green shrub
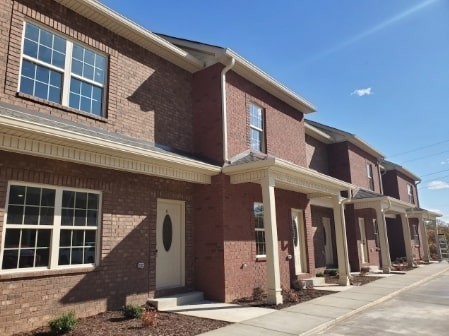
pixel 63 324
pixel 133 311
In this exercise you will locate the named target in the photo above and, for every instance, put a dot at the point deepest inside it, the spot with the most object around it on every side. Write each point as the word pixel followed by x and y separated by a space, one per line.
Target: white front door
pixel 328 249
pixel 170 244
pixel 363 245
pixel 298 242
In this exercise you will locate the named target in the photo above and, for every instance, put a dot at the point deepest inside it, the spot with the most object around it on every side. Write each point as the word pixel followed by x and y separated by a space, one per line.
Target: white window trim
pixel 256 229
pixel 260 130
pixel 370 175
pixel 55 229
pixel 67 72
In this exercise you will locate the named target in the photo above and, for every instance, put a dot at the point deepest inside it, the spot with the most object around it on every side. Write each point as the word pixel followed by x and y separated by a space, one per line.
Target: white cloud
pixel 434 185
pixel 444 162
pixel 362 92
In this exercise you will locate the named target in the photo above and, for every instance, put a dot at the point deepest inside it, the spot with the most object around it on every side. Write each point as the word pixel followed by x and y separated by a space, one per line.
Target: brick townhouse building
pixel 135 165
pixel 383 218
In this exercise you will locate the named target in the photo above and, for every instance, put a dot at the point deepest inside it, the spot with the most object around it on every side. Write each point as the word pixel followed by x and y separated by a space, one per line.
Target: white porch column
pixel 271 241
pixel 383 239
pixel 341 242
pixel 407 238
pixel 423 239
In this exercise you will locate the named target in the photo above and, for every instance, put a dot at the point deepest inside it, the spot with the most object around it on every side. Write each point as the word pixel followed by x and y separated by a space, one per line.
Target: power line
pixel 441 171
pixel 426 156
pixel 419 148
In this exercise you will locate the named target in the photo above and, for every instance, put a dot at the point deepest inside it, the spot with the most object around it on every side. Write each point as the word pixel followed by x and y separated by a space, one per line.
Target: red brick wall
pixel 358 160
pixel 373 253
pixel 317 155
pixel 207 114
pixel 147 97
pixel 339 161
pixel 417 247
pixel 128 229
pixel 395 185
pixel 390 184
pixel 283 123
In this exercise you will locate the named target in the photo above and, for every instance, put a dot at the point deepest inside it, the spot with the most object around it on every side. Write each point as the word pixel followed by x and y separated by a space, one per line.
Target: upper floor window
pixel 49 227
pixel 257 125
pixel 61 71
pixel 260 230
pixel 369 173
pixel 411 196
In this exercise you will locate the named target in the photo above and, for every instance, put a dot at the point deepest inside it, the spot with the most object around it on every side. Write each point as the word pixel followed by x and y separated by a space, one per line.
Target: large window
pixel 256 122
pixel 61 71
pixel 260 230
pixel 48 227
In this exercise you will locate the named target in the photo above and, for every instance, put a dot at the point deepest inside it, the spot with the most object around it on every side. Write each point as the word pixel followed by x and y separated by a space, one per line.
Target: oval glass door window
pixel 167 232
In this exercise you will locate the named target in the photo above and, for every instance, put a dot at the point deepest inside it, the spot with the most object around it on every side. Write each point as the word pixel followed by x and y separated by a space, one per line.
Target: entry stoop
pixel 315 281
pixel 172 301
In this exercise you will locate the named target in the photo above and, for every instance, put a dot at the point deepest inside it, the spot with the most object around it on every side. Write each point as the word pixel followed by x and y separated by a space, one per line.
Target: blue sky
pixel 376 68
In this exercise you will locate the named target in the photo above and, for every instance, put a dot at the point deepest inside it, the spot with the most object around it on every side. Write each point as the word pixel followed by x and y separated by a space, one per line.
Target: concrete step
pixel 315 281
pixel 172 301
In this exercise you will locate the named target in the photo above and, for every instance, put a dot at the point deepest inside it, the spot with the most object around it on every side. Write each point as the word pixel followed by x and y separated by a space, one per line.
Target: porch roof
pixel 30 132
pixel 254 167
pixel 388 204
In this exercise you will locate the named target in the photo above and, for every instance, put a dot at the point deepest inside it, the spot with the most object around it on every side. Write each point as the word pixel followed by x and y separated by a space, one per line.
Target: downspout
pixel 224 108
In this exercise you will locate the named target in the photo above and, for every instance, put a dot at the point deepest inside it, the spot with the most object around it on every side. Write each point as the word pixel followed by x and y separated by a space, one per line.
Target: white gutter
pixel 224 108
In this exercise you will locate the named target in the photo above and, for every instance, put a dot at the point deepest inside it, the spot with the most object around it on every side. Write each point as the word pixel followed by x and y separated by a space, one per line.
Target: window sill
pixel 261 258
pixel 60 107
pixel 14 275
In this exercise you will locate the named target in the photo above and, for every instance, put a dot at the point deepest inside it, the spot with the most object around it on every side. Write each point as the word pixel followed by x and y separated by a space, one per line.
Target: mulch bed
pixel 357 280
pixel 113 324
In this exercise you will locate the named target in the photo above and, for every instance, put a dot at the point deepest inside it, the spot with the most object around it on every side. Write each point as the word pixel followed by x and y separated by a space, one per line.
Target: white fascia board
pixel 388 165
pixel 108 145
pixel 390 201
pixel 283 166
pixel 268 83
pixel 317 133
pixel 117 23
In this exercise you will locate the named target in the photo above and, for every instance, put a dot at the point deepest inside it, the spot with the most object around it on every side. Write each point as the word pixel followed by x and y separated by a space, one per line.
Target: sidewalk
pixel 319 314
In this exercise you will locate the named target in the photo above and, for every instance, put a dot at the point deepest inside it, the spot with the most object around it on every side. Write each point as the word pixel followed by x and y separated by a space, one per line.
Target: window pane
pixel 16 194
pixel 78 238
pixel 30 48
pixel 67 217
pixel 77 256
pixel 88 71
pixel 65 238
pixel 44 54
pixel 89 255
pixel 68 199
pixel 31 32
pixel 74 101
pixel 92 216
pixel 58 59
pixel 43 75
pixel 86 90
pixel 99 76
pixel 92 201
pixel 96 108
pixel 85 104
pixel 28 69
pixel 47 216
pixel 10 258
pixel 12 238
pixel 42 257
pixel 90 238
pixel 59 44
pixel 97 93
pixel 78 52
pixel 15 214
pixel 41 90
pixel 64 256
pixel 33 196
pixel 43 238
pixel 28 238
pixel 77 67
pixel 48 197
pixel 54 94
pixel 26 258
pixel 31 215
pixel 46 38
pixel 75 85
pixel 81 200
pixel 80 217
pixel 89 57
pixel 27 86
pixel 100 62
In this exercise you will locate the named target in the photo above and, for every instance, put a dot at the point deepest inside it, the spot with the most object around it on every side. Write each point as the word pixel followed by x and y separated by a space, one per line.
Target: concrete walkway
pixel 316 315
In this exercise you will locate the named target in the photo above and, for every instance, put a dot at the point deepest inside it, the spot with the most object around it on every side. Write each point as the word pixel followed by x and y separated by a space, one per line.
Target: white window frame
pixel 67 71
pixel 261 131
pixel 256 229
pixel 55 229
pixel 370 175
pixel 411 196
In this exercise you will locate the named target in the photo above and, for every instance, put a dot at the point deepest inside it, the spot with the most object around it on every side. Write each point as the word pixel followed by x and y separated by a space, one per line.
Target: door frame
pixel 364 253
pixel 182 260
pixel 301 248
